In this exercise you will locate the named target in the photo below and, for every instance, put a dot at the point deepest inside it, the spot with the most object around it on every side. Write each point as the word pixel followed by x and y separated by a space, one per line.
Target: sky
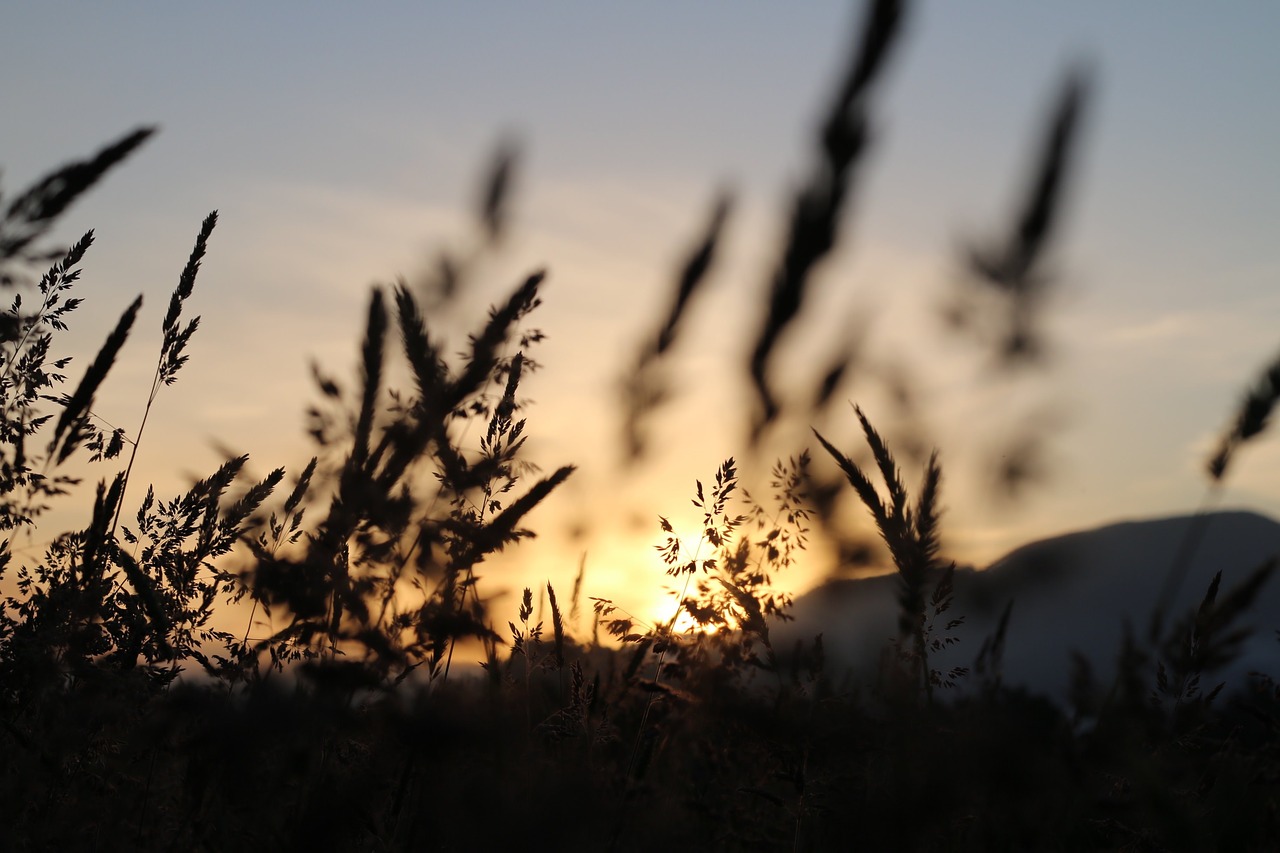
pixel 344 147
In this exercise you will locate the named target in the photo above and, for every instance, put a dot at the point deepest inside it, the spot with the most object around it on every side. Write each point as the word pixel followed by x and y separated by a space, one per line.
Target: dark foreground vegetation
pixel 130 720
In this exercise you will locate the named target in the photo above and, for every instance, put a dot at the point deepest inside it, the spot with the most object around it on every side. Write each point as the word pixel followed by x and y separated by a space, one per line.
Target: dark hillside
pixel 1072 592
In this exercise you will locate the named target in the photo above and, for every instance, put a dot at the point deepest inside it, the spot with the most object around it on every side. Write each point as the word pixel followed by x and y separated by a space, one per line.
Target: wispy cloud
pixel 1167 328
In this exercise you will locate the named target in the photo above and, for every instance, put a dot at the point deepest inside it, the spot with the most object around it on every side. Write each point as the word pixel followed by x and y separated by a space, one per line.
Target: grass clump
pixel 336 719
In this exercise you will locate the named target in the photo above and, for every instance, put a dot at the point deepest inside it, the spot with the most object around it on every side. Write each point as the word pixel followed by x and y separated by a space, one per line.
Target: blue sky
pixel 343 146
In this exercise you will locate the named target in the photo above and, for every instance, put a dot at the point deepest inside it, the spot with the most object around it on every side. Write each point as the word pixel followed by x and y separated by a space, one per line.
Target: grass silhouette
pixel 129 721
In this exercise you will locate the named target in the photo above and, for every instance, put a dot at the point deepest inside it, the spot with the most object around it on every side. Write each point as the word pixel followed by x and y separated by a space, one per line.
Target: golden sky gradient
pixel 345 148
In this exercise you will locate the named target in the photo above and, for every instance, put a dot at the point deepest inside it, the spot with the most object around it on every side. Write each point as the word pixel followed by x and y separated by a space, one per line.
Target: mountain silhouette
pixel 1071 593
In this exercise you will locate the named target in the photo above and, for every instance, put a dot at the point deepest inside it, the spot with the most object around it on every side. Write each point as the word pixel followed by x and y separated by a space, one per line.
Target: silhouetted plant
pixel 911 534
pixel 129 718
pixel 384 541
pixel 819 206
pixel 29 216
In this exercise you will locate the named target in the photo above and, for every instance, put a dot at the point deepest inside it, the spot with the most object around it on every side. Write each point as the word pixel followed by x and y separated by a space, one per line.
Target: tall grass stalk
pixel 173 347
